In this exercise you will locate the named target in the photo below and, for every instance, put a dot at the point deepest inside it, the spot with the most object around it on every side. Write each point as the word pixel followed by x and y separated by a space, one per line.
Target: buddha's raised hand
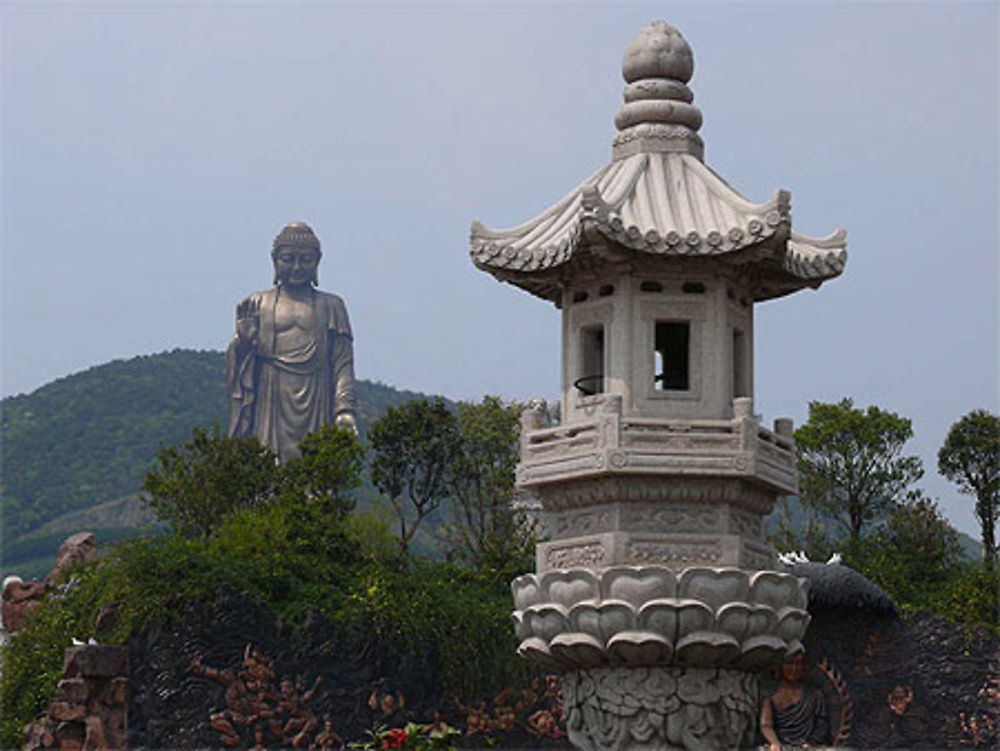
pixel 248 321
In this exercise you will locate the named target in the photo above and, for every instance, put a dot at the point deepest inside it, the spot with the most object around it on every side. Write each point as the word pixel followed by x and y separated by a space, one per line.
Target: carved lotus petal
pixel 521 626
pixel 584 617
pixel 714 586
pixel 537 651
pixel 660 617
pixel 640 648
pixel 792 624
pixel 734 619
pixel 637 585
pixel 707 648
pixel 794 648
pixel 545 621
pixel 526 591
pixel 778 590
pixel 762 620
pixel 614 616
pixel 569 587
pixel 693 616
pixel 761 652
pixel 578 649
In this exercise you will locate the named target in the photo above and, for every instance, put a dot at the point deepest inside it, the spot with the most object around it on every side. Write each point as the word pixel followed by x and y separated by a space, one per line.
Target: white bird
pixel 835 558
pixel 793 557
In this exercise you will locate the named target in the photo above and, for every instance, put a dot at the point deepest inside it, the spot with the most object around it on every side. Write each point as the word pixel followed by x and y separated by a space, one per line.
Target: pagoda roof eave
pixel 664 205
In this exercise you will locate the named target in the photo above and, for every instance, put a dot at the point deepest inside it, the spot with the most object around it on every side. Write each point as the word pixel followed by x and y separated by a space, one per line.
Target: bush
pixel 199 482
pixel 447 626
pixel 972 597
pixel 455 620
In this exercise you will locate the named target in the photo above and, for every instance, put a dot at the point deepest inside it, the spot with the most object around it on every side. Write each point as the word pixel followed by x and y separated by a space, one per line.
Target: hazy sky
pixel 151 151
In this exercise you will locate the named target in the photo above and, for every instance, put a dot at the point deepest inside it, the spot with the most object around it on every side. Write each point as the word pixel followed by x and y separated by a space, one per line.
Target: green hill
pixel 87 440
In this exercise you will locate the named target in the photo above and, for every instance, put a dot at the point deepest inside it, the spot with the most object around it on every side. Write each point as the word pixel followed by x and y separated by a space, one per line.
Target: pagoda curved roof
pixel 666 204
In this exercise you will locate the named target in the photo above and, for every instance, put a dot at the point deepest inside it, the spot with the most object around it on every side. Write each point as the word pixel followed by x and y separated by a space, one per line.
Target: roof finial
pixel 658 114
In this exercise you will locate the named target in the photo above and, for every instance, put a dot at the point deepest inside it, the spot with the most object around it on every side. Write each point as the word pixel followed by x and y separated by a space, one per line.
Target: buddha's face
pixel 794 670
pixel 296 267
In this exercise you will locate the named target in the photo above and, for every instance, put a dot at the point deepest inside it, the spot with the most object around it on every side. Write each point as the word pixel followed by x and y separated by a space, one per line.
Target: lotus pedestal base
pixel 659 708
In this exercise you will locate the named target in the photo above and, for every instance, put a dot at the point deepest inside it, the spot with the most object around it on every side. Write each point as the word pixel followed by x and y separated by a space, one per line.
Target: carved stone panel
pixel 628 709
pixel 577 553
pixel 676 553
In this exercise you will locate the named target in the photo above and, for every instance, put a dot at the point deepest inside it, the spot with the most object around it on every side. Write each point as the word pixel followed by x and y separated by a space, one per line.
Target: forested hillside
pixel 91 437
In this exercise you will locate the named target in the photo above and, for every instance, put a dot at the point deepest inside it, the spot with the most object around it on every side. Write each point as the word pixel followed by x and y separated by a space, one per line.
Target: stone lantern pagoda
pixel 656 594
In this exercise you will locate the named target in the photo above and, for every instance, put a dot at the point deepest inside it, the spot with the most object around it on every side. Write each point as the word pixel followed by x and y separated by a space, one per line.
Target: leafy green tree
pixel 200 482
pixel 328 470
pixel 412 446
pixel 851 462
pixel 970 457
pixel 913 556
pixel 484 530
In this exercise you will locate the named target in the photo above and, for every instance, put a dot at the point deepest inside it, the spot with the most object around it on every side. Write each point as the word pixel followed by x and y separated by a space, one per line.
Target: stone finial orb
pixel 658 51
pixel 658 114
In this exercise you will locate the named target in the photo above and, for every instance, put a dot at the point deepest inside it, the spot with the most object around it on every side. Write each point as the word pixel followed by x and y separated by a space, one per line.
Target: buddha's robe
pixel 805 722
pixel 291 384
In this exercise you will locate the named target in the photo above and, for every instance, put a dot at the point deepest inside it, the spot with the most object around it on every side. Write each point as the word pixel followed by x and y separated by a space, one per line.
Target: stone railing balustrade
pixel 610 441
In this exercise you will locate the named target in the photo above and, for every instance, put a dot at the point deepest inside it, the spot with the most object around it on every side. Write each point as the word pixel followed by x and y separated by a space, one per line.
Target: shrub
pixel 199 482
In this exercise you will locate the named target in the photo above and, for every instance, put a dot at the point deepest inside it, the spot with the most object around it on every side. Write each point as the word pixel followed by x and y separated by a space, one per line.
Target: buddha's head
pixel 296 255
pixel 794 670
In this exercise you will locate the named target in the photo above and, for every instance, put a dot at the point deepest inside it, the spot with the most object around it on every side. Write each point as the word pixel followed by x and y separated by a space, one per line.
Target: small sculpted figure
pixel 291 363
pixel 795 715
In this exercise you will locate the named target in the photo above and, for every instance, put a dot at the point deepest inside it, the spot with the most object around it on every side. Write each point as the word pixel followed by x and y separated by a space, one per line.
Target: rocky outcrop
pixel 76 550
pixel 21 597
pixel 89 710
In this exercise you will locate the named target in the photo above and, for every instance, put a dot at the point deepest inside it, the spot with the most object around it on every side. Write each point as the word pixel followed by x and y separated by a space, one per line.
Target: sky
pixel 151 151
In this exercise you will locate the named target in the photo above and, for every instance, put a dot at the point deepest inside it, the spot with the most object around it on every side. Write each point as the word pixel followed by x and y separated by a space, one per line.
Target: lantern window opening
pixel 672 355
pixel 606 290
pixel 592 346
pixel 580 296
pixel 650 286
pixel 693 288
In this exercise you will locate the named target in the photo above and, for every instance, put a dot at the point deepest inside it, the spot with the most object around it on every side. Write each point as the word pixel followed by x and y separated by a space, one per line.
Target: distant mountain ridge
pixel 88 439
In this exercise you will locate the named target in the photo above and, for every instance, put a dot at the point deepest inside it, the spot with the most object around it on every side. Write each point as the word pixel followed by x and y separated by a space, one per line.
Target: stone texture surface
pixel 20 598
pixel 76 550
pixel 90 707
pixel 633 709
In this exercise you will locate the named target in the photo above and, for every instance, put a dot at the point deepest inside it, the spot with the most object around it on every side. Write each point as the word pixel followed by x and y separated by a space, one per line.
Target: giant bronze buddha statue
pixel 291 363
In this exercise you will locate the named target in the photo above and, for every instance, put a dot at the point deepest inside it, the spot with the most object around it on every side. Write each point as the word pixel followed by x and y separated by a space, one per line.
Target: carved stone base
pixel 660 708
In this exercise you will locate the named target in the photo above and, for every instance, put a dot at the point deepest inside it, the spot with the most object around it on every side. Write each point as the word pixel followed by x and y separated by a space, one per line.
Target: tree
pixel 970 457
pixel 327 471
pixel 484 529
pixel 914 556
pixel 851 462
pixel 200 482
pixel 412 446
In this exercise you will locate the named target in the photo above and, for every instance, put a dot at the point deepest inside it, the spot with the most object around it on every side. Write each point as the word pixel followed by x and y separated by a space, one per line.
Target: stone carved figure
pixel 794 715
pixel 291 363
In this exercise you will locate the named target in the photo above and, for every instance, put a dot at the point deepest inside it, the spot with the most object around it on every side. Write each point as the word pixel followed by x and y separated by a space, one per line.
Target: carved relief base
pixel 675 551
pixel 660 708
